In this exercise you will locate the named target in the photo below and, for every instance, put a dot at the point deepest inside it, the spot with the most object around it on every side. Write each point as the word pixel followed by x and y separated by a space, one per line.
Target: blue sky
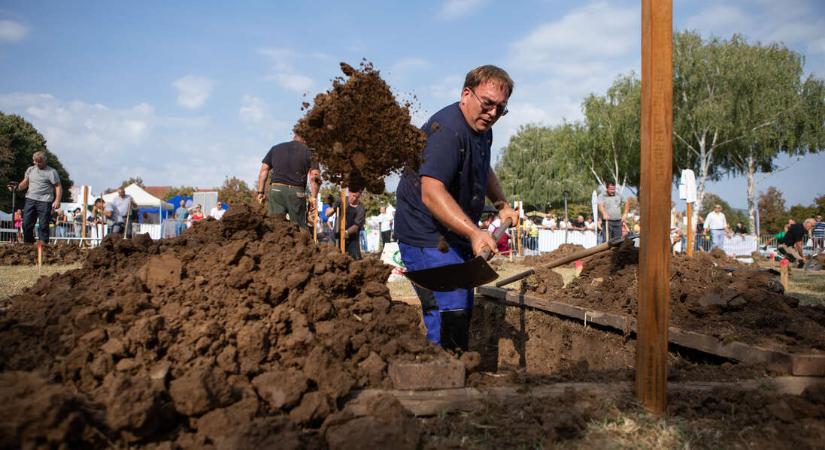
pixel 191 92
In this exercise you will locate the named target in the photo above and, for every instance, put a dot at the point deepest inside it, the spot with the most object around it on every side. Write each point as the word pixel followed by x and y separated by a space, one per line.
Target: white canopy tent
pixel 141 198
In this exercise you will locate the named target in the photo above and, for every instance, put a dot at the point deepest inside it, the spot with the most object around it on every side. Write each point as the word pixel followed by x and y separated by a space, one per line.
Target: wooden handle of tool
pixel 486 252
pixel 559 262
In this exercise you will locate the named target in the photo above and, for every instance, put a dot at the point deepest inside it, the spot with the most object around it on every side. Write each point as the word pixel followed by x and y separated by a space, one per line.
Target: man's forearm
pixel 262 174
pixel 444 208
pixel 58 193
pixel 314 182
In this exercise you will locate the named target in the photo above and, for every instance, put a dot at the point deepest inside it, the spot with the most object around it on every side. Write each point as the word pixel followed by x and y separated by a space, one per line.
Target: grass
pixel 14 279
pixel 807 286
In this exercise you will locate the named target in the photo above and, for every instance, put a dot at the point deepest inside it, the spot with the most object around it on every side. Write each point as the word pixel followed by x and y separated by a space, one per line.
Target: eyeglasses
pixel 486 105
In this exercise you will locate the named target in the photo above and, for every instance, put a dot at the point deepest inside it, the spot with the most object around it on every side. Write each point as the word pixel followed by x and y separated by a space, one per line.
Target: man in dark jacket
pixel 792 243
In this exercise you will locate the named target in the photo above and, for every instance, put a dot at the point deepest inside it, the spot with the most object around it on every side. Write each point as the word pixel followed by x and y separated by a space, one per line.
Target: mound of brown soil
pixel 564 250
pixel 235 332
pixel 359 131
pixel 737 304
pixel 26 254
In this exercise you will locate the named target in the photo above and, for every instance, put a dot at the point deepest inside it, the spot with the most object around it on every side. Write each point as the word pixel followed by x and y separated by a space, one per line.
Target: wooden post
pixel 85 212
pixel 656 176
pixel 783 273
pixel 343 221
pixel 690 233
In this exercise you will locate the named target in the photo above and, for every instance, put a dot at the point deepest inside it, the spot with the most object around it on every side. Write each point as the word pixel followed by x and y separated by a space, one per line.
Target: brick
pixel 445 373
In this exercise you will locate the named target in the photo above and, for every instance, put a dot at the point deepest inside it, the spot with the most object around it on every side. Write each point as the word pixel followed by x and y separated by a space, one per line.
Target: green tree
pixel 19 140
pixel 611 149
pixel 819 203
pixel 737 105
pixel 772 213
pixel 235 191
pixel 801 212
pixel 539 164
pixel 775 112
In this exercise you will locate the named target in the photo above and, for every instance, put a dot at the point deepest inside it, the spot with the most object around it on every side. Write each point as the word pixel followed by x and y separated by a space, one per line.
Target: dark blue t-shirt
pixel 458 157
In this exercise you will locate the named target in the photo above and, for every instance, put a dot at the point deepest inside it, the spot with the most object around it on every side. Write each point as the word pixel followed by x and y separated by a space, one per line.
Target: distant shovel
pixel 466 275
pixel 570 258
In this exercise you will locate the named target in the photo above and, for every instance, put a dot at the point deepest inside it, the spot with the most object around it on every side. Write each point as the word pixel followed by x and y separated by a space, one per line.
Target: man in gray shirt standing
pixel 118 210
pixel 42 197
pixel 610 208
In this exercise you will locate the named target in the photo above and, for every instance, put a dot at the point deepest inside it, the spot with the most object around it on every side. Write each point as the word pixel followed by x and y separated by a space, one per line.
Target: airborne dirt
pixel 234 334
pixel 359 131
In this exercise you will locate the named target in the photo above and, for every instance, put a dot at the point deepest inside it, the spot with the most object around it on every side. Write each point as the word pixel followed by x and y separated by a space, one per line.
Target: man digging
pixel 291 163
pixel 440 204
pixel 791 244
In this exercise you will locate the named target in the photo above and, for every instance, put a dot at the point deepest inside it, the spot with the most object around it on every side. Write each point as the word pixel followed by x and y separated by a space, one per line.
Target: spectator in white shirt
pixel 217 211
pixel 716 223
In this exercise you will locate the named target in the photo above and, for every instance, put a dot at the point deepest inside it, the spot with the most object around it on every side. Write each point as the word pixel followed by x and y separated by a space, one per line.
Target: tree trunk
pixel 704 161
pixel 751 193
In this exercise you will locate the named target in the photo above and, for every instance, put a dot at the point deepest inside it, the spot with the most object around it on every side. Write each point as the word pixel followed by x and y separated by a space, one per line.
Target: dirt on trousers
pixel 26 254
pixel 709 293
pixel 359 131
pixel 238 334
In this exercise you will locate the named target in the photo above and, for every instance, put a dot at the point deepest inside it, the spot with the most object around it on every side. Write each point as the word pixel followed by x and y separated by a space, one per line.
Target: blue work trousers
pixel 433 303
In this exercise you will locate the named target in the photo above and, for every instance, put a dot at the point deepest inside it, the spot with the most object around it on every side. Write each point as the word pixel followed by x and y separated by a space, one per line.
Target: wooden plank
pixel 435 402
pixel 654 203
pixel 795 364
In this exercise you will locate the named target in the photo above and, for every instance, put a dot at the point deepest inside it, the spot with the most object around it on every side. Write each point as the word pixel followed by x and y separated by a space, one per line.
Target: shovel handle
pixel 486 253
pixel 567 259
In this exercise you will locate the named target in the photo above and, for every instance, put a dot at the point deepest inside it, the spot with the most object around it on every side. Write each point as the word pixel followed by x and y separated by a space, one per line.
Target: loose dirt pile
pixel 563 251
pixel 235 335
pixel 26 254
pixel 359 131
pixel 712 294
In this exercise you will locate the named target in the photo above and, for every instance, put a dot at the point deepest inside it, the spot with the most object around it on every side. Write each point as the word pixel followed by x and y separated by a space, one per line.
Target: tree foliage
pixel 235 191
pixel 612 146
pixel 183 191
pixel 772 215
pixel 540 163
pixel 19 140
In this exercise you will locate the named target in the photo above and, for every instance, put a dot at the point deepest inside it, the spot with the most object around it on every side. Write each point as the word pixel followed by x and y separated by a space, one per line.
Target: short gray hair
pixel 40 155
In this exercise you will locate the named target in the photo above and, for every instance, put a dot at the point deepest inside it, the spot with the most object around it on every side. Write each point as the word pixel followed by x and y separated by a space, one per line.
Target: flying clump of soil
pixel 238 334
pixel 359 131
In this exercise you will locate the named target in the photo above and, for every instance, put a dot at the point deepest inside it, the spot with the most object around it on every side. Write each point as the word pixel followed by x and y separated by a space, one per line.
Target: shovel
pixel 466 275
pixel 615 242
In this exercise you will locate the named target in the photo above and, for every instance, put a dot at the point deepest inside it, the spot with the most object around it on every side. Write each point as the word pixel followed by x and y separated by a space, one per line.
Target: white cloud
pixel 193 91
pixel 575 43
pixel 283 70
pixel 11 31
pixel 448 88
pixel 453 9
pixel 101 145
pixel 293 82
pixel 253 110
pixel 719 20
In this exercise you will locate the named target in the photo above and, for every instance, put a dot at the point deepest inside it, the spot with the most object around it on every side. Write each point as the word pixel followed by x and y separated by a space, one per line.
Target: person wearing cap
pixel 439 205
pixel 43 192
pixel 290 164
pixel 818 233
pixel 717 224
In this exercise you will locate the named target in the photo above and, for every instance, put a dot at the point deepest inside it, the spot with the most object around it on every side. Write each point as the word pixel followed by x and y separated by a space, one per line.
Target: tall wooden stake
pixel 85 212
pixel 656 176
pixel 690 233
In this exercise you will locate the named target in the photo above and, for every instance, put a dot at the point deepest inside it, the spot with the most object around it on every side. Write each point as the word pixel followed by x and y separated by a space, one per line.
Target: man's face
pixel 183 203
pixel 354 196
pixel 717 209
pixel 611 189
pixel 39 162
pixel 121 192
pixel 819 218
pixel 483 105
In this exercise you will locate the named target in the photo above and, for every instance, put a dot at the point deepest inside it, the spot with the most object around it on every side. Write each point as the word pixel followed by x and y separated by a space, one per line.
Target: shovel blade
pixel 466 275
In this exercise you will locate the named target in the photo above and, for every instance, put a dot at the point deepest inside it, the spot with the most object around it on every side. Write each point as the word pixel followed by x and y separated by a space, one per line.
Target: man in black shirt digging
pixel 291 163
pixel 791 244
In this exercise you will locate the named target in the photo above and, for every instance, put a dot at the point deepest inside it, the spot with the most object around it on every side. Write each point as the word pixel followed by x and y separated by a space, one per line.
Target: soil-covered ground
pixel 238 334
pixel 359 131
pixel 26 254
pixel 709 293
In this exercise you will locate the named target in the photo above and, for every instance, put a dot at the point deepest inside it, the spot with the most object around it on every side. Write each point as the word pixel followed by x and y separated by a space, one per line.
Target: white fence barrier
pixel 550 240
